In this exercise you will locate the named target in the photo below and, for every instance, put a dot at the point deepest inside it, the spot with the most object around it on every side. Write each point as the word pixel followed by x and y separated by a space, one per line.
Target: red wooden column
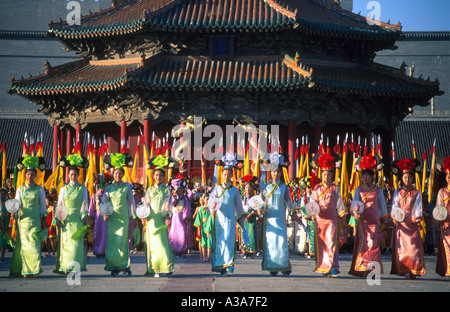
pixel 292 136
pixel 79 136
pixel 123 134
pixel 69 140
pixel 55 146
pixel 147 133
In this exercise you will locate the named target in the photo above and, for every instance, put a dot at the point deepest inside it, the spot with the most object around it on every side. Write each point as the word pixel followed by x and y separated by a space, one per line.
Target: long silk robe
pixel 178 233
pixel 407 254
pixel 443 257
pixel 223 227
pixel 156 236
pixel 117 253
pixel 366 247
pixel 329 199
pixel 99 225
pixel 26 259
pixel 275 242
pixel 70 250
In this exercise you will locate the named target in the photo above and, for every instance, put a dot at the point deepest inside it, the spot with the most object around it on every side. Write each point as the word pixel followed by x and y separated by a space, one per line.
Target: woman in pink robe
pixel 443 199
pixel 366 250
pixel 407 254
pixel 328 196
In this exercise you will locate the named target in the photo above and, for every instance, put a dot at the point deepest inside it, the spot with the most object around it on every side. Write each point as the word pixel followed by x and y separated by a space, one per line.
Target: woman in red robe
pixel 367 251
pixel 407 253
pixel 443 200
pixel 328 196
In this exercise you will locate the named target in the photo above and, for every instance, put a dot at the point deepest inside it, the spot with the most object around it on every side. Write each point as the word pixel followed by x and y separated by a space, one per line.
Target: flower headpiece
pixel 369 162
pixel 161 162
pixel 325 161
pixel 179 181
pixel 273 160
pixel 117 161
pixel 443 164
pixel 249 179
pixel 30 162
pixel 74 160
pixel 405 165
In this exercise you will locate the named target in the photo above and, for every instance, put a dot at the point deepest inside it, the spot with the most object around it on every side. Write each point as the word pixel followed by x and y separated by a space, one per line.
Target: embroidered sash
pixel 275 187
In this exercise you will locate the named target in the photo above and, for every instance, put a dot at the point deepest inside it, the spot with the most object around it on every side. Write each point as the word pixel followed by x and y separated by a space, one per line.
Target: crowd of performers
pixel 308 216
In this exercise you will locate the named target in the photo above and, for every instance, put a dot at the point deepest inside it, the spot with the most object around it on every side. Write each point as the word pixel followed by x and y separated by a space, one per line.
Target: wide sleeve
pixel 417 214
pixel 187 208
pixel 340 207
pixel 19 197
pixel 92 206
pixel 62 194
pixel 131 203
pixel 288 199
pixel 440 198
pixel 85 203
pixel 238 206
pixel 384 214
pixel 42 202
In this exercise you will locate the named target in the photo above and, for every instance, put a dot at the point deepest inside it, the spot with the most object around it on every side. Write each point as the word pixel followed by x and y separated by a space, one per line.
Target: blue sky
pixel 415 15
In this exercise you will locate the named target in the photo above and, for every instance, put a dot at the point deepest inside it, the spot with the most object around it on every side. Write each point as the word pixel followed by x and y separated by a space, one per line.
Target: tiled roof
pixel 80 76
pixel 239 73
pixel 311 16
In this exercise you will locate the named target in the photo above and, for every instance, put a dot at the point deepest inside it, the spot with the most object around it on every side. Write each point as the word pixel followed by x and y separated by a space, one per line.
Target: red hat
pixel 326 161
pixel 446 165
pixel 368 162
pixel 406 165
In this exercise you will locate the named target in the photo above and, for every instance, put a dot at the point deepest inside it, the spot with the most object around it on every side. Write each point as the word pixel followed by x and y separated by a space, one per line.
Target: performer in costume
pixel 50 243
pixel 249 185
pixel 366 248
pixel 98 220
pixel 443 200
pixel 180 215
pixel 4 223
pixel 156 236
pixel 278 204
pixel 328 196
pixel 119 194
pixel 223 227
pixel 26 259
pixel 203 223
pixel 74 196
pixel 407 253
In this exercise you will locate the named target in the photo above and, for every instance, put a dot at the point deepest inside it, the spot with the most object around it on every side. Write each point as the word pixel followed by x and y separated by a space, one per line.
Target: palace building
pixel 148 65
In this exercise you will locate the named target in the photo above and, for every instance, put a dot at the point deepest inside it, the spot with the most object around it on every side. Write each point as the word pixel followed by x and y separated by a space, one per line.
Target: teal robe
pixel 275 242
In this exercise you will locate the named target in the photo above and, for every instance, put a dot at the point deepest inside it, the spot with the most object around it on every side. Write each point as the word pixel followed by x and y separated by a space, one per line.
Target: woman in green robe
pixel 26 259
pixel 120 195
pixel 156 236
pixel 74 196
